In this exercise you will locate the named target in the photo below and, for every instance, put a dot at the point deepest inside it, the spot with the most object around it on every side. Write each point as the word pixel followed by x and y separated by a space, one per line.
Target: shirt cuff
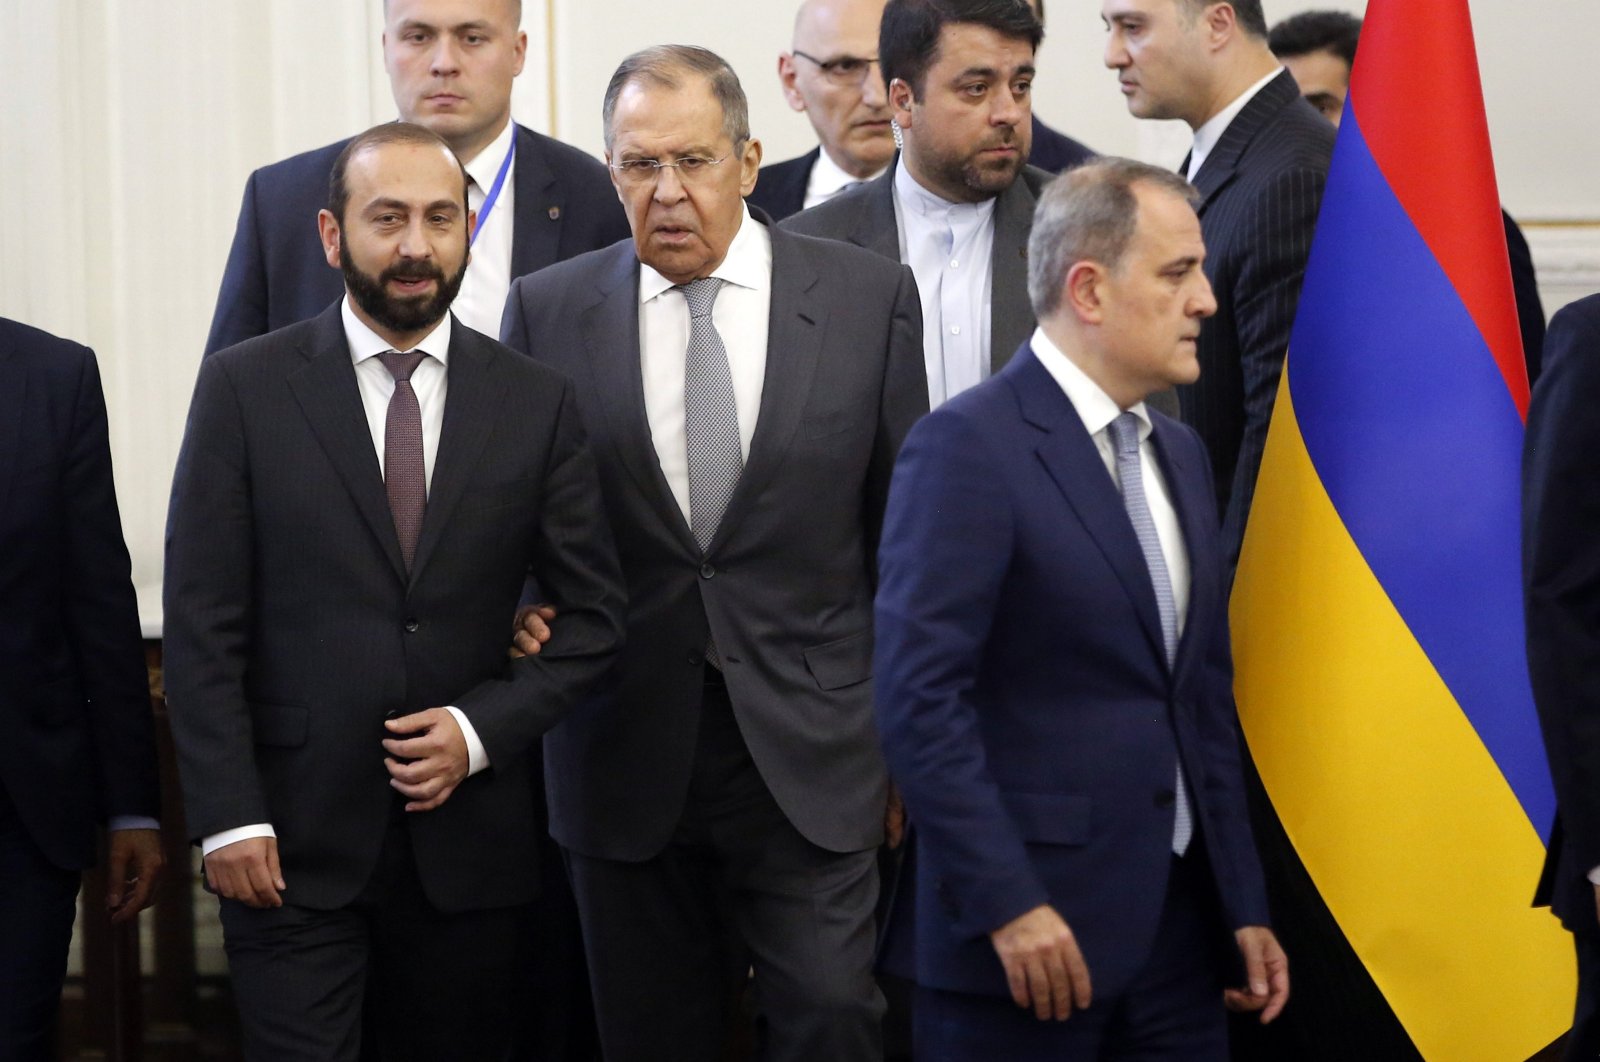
pixel 132 822
pixel 240 833
pixel 477 756
pixel 1594 875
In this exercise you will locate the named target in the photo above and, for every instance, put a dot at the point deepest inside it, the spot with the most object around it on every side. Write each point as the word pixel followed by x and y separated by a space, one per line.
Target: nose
pixel 414 242
pixel 669 186
pixel 1008 108
pixel 1203 303
pixel 873 91
pixel 444 61
pixel 1116 55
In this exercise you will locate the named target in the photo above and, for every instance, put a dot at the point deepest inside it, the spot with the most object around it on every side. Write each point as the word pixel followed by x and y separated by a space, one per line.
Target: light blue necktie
pixel 1124 432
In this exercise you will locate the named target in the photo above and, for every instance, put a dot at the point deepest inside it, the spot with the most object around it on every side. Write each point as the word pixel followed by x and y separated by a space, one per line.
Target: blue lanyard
pixel 494 192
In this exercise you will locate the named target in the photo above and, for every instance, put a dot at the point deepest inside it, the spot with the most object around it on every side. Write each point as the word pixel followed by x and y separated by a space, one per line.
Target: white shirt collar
pixel 1095 408
pixel 828 179
pixel 747 264
pixel 920 201
pixel 1206 137
pixel 365 343
pixel 485 166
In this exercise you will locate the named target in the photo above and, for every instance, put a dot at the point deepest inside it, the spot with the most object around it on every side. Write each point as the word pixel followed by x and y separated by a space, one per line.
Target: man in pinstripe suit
pixel 1260 159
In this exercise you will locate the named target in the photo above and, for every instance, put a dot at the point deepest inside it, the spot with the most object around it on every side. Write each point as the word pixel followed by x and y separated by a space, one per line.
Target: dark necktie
pixel 403 474
pixel 1124 432
pixel 710 417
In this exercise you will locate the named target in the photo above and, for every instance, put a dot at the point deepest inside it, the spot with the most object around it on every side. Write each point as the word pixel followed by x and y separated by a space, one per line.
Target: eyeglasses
pixel 845 70
pixel 691 169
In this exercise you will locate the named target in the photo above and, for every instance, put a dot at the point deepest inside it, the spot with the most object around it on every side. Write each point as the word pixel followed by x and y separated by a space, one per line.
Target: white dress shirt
pixel 1206 137
pixel 828 180
pixel 430 382
pixel 740 315
pixel 482 299
pixel 950 249
pixel 1097 410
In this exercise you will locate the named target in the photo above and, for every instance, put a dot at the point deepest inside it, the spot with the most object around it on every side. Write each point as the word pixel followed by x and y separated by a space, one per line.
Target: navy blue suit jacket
pixel 277 275
pixel 1055 152
pixel 74 699
pixel 781 187
pixel 1561 572
pixel 1028 712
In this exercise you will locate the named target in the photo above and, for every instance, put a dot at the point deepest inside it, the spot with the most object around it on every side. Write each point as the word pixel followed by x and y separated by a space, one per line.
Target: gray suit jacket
pixel 293 628
pixel 786 585
pixel 865 217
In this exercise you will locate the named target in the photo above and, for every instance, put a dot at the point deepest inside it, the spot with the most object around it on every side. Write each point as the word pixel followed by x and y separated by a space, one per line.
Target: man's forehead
pixel 838 25
pixel 450 13
pixel 965 42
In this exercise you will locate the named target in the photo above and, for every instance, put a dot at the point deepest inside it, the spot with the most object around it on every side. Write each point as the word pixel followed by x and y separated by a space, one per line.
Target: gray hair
pixel 1089 214
pixel 665 66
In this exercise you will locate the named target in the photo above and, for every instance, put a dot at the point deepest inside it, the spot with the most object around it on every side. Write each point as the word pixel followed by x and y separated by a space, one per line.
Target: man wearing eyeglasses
pixel 832 75
pixel 958 204
pixel 747 390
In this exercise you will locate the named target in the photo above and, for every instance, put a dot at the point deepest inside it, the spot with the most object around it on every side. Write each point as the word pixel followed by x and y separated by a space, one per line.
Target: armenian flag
pixel 1377 615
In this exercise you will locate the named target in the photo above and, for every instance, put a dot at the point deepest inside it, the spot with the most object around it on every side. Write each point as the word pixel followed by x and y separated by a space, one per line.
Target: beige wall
pixel 131 125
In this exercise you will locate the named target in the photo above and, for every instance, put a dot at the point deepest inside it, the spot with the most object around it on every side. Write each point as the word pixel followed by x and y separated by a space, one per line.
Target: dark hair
pixel 908 36
pixel 664 66
pixel 1316 31
pixel 1246 12
pixel 377 136
pixel 1089 213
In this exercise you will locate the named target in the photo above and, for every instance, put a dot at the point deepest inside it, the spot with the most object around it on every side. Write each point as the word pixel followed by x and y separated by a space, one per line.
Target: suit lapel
pixel 610 327
pixel 796 321
pixel 1223 162
pixel 876 227
pixel 1010 312
pixel 13 393
pixel 1195 509
pixel 1073 462
pixel 536 234
pixel 471 406
pixel 325 387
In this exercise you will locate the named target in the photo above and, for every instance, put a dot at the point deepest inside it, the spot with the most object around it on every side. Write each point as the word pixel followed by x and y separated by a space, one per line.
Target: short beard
pixel 406 314
pixel 966 180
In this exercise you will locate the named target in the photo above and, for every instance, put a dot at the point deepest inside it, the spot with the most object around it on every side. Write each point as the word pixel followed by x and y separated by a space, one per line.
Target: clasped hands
pixel 1047 972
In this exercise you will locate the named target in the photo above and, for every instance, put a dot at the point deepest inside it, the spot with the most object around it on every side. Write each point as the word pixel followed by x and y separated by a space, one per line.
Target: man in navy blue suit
pixel 74 701
pixel 538 201
pixel 1054 684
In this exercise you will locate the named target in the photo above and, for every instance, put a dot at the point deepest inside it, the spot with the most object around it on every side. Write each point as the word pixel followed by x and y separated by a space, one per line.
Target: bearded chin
pixel 400 313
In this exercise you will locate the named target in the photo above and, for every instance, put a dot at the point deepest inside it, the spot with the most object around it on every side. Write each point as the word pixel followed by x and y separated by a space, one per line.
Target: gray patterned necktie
pixel 1124 432
pixel 710 417
pixel 403 475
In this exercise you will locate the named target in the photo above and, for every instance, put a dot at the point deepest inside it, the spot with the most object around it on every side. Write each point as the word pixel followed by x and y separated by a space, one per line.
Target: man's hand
pixel 1266 971
pixel 247 871
pixel 432 741
pixel 530 630
pixel 1043 964
pixel 894 819
pixel 134 864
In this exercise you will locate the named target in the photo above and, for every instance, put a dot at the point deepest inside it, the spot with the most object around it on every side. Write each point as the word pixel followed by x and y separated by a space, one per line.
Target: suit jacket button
pixel 412 626
pixel 1166 799
pixel 707 571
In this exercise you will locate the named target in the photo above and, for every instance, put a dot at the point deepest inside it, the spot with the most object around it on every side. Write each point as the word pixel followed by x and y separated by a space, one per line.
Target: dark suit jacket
pixel 781 187
pixel 1561 573
pixel 1028 712
pixel 786 586
pixel 1525 286
pixel 1261 187
pixel 292 627
pixel 277 275
pixel 865 217
pixel 1055 152
pixel 74 700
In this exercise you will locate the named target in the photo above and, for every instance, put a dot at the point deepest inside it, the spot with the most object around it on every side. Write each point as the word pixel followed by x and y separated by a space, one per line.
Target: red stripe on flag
pixel 1415 91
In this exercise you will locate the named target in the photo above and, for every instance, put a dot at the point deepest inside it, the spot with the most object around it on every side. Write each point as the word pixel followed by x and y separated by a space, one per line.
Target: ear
pixel 328 230
pixel 1220 24
pixel 900 100
pixel 521 52
pixel 1083 292
pixel 749 166
pixel 787 71
pixel 472 227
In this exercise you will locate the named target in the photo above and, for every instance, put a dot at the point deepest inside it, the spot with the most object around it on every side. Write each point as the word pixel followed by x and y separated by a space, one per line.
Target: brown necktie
pixel 403 473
